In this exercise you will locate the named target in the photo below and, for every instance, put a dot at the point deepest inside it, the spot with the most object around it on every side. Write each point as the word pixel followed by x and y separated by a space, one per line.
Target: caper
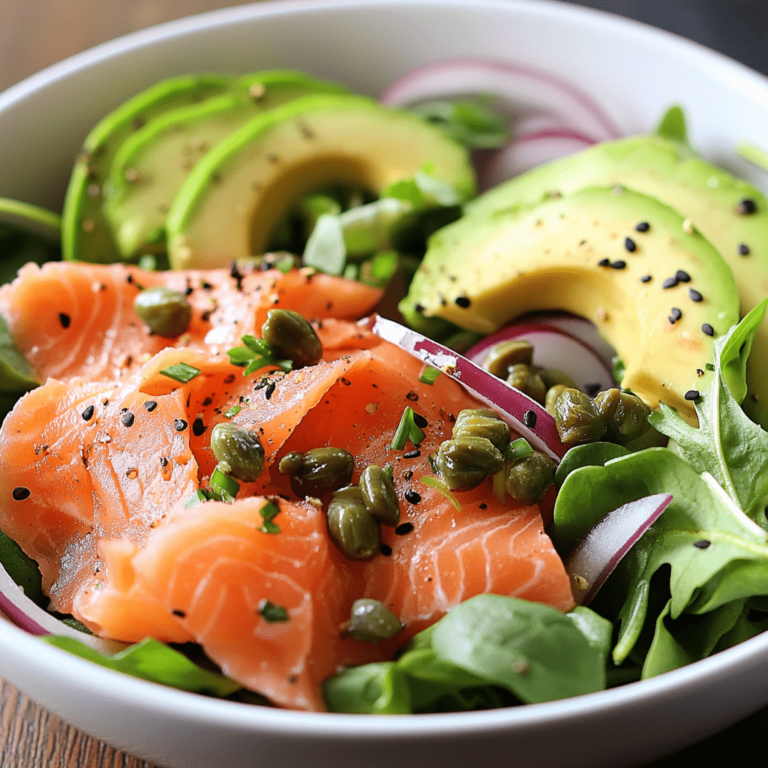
pixel 577 418
pixel 552 394
pixel 464 462
pixel 529 381
pixel 479 422
pixel 551 377
pixel 240 449
pixel 625 415
pixel 352 527
pixel 379 495
pixel 506 354
pixel 371 621
pixel 292 337
pixel 320 471
pixel 529 477
pixel 165 311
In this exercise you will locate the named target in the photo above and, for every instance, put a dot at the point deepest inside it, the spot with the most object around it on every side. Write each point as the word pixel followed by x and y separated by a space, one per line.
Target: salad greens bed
pixel 695 584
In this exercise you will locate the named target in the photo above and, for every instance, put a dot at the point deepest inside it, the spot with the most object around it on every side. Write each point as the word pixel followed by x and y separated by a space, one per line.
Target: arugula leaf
pixel 470 123
pixel 726 444
pixel 154 661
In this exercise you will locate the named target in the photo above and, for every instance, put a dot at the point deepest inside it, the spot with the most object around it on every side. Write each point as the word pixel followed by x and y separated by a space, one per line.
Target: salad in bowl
pixel 440 402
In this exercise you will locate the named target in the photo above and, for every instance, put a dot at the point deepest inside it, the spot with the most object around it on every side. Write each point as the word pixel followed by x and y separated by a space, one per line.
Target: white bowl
pixel 634 72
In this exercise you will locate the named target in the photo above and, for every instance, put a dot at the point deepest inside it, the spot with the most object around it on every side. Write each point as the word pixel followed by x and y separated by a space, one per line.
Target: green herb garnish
pixel 429 375
pixel 224 486
pixel 233 411
pixel 181 372
pixel 517 449
pixel 255 355
pixel 406 430
pixel 272 613
pixel 443 489
pixel 268 513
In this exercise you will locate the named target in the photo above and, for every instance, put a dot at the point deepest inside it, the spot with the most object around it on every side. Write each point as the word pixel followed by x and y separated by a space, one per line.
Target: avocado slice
pixel 658 296
pixel 234 197
pixel 731 213
pixel 152 164
pixel 85 234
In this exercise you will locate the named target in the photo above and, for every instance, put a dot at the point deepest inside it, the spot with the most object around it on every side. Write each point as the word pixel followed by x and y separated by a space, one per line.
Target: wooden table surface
pixel 33 35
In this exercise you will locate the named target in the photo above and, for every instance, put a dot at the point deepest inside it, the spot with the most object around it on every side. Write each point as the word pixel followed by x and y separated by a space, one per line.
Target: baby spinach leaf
pixel 369 689
pixel 16 374
pixel 154 661
pixel 530 649
pixel 22 569
pixel 726 444
pixel 597 630
pixel 589 455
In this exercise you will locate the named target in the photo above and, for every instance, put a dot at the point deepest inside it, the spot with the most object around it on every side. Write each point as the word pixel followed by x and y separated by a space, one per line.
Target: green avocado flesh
pixel 233 198
pixel 571 254
pixel 152 164
pixel 710 197
pixel 85 233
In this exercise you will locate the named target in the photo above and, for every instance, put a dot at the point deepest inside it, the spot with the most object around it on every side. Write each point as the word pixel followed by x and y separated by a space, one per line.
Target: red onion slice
pixel 522 92
pixel 602 549
pixel 29 616
pixel 553 348
pixel 523 414
pixel 530 150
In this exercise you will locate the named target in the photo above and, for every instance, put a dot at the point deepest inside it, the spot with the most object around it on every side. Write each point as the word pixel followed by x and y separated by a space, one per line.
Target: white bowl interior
pixel 634 72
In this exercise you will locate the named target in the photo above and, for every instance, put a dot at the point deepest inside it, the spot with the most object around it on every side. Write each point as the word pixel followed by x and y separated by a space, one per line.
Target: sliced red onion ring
pixel 528 151
pixel 29 616
pixel 523 414
pixel 553 348
pixel 523 92
pixel 602 549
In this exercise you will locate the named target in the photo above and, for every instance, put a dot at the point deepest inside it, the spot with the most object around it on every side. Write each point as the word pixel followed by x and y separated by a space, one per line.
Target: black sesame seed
pixel 692 394
pixel 708 329
pixel 419 307
pixel 746 207
pixel 150 405
pixel 462 301
pixel 180 614
pixel 64 319
pixel 419 420
pixel 695 295
pixel 699 372
pixel 164 460
pixel 88 413
pixel 412 497
pixel 671 319
pixel 604 263
pixel 198 428
pixel 702 543
pixel 676 313
pixel 270 390
pixel 412 454
pixel 403 529
pixel 385 550
pixel 483 505
pixel 682 276
pixel 189 290
pixel 180 425
pixel 744 249
pixel 128 419
pixel 646 279
pixel 529 419
pixel 630 244
pixel 643 226
pixel 619 264
pixel 670 282
pixel 20 493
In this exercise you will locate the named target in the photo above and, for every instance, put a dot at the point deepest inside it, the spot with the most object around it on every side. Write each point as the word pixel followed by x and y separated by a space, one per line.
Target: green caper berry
pixel 552 377
pixel 379 495
pixel 166 312
pixel 290 463
pixel 292 337
pixel 625 415
pixel 352 527
pixel 371 621
pixel 464 462
pixel 239 449
pixel 527 380
pixel 479 422
pixel 577 418
pixel 321 471
pixel 529 477
pixel 552 394
pixel 506 354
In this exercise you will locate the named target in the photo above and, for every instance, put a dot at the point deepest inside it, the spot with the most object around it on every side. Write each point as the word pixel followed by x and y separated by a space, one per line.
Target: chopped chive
pixel 429 375
pixel 196 498
pixel 222 485
pixel 181 372
pixel 709 367
pixel 259 346
pixel 517 449
pixel 272 612
pixel 268 512
pixel 240 356
pixel 443 489
pixel 407 429
pixel 388 471
pixel 233 411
